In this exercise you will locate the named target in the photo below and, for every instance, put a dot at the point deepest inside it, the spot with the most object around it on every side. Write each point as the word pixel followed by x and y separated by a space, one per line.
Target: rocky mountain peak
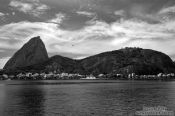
pixel 33 52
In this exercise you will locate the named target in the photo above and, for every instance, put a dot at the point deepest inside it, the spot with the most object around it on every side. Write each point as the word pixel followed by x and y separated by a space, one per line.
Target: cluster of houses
pixel 159 76
pixel 40 76
pixel 67 76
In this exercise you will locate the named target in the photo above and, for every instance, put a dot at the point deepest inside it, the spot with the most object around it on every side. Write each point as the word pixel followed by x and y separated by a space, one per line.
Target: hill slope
pixel 33 57
pixel 33 52
pixel 129 60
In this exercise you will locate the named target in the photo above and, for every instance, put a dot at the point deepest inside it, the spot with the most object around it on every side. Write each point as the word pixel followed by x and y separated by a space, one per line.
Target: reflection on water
pixel 21 101
pixel 83 98
pixel 32 100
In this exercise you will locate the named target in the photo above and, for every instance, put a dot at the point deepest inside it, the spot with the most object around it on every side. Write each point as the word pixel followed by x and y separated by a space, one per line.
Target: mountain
pixel 33 52
pixel 33 57
pixel 129 60
pixel 57 63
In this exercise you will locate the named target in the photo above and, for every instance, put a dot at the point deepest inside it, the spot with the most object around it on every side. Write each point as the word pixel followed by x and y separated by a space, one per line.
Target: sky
pixel 81 28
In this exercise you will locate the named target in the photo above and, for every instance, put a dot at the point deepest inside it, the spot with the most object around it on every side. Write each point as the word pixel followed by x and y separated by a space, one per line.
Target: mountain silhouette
pixel 33 52
pixel 33 57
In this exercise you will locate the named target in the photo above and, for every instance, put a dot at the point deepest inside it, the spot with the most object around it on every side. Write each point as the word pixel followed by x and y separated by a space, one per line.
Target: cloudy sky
pixel 80 28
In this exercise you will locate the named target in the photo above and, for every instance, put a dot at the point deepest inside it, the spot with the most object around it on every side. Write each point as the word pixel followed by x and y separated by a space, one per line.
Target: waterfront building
pixel 90 77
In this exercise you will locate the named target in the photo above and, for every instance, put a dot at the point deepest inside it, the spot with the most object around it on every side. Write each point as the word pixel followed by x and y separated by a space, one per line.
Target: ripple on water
pixel 83 98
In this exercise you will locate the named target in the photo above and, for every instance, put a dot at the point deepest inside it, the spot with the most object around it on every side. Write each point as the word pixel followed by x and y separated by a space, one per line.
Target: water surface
pixel 83 97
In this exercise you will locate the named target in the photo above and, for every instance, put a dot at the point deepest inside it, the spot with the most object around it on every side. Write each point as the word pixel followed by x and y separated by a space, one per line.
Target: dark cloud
pixel 80 28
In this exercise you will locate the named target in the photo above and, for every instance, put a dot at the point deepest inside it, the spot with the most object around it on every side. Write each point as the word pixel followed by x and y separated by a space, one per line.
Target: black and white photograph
pixel 87 57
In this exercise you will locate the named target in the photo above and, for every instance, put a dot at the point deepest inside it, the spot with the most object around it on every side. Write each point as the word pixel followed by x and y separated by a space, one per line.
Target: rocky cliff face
pixel 33 56
pixel 128 60
pixel 33 52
